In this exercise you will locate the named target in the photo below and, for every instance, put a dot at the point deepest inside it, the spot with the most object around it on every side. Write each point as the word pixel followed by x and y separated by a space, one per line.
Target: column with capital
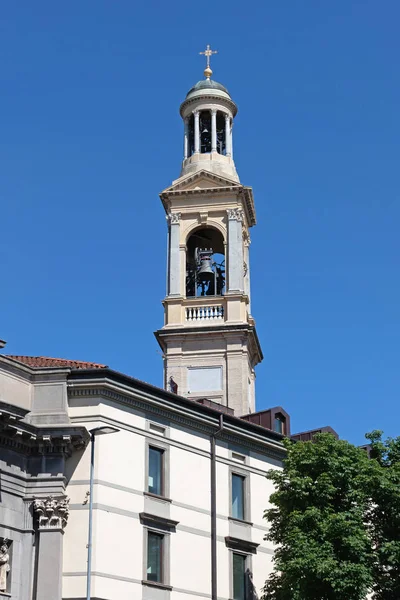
pixel 186 138
pixel 213 130
pixel 51 518
pixel 235 251
pixel 174 275
pixel 196 115
pixel 228 134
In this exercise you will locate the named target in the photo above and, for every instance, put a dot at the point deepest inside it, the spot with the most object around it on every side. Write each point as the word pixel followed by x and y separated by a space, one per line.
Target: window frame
pixel 246 494
pixel 165 557
pixel 161 453
pixel 157 444
pixel 247 563
pixel 280 418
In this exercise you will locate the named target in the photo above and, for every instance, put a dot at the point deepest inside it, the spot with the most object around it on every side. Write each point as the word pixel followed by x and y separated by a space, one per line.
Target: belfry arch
pixel 205 263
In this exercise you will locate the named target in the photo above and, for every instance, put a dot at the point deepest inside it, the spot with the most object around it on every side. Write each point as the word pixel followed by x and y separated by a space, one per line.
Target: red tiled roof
pixel 45 361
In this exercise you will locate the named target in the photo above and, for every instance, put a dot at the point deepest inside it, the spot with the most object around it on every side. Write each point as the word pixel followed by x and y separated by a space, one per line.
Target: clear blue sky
pixel 91 134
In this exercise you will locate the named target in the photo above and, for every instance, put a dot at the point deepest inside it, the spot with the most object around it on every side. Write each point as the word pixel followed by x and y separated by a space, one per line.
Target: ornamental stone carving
pixel 51 512
pixel 4 563
pixel 174 218
pixel 235 214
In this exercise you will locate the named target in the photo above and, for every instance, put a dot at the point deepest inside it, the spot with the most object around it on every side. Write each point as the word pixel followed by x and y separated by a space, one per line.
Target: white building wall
pixel 120 479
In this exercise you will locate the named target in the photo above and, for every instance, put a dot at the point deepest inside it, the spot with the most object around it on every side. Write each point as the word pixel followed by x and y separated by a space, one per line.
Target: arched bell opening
pixel 205 263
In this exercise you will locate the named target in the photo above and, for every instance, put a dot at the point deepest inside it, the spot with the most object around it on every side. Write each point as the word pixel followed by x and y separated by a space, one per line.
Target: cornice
pixel 206 423
pixel 220 99
pixel 29 439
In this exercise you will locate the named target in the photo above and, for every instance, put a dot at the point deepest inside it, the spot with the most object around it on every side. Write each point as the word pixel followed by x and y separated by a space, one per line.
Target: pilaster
pixel 174 275
pixel 235 250
pixel 51 517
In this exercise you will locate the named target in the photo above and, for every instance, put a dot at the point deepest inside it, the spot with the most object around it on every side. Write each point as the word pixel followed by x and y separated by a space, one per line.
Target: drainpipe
pixel 214 510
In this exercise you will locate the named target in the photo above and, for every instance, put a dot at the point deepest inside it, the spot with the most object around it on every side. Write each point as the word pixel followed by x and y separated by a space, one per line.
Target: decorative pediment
pixel 201 180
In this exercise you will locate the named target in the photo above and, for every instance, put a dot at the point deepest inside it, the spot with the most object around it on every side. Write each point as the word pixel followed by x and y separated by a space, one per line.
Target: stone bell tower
pixel 209 339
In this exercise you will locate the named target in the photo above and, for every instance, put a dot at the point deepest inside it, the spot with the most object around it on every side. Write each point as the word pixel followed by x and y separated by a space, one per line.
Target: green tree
pixel 384 515
pixel 317 521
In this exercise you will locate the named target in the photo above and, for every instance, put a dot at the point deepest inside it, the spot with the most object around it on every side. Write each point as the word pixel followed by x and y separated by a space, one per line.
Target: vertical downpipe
pixel 214 510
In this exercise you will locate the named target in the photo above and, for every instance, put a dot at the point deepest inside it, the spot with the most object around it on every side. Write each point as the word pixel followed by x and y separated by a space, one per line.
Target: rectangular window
pixel 279 424
pixel 156 471
pixel 155 543
pixel 239 576
pixel 237 496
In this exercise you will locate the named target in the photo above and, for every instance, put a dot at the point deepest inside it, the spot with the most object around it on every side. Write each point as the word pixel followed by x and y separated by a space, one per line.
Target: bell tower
pixel 209 340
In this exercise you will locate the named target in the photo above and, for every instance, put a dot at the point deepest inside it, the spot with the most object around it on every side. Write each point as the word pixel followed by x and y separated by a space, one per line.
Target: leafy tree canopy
pixel 317 521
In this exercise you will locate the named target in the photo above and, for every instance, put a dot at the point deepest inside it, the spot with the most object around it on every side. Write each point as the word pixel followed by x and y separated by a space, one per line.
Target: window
pixel 239 576
pixel 279 423
pixel 156 471
pixel 155 543
pixel 238 509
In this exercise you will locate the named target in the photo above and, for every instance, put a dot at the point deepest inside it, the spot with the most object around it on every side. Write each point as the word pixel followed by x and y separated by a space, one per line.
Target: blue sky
pixel 91 134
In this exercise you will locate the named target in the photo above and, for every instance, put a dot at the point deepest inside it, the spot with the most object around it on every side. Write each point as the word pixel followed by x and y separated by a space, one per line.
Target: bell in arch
pixel 204 263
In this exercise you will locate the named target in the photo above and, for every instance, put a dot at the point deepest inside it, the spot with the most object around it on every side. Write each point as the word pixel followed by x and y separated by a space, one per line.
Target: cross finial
pixel 208 53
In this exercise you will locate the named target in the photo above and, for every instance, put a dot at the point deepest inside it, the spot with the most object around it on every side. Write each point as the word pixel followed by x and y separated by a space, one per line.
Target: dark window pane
pixel 156 471
pixel 279 424
pixel 239 584
pixel 154 557
pixel 237 496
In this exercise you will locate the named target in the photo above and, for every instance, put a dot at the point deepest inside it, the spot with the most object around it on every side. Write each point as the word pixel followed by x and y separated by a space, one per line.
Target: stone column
pixel 196 114
pixel 52 515
pixel 235 250
pixel 214 130
pixel 228 139
pixel 174 256
pixel 186 138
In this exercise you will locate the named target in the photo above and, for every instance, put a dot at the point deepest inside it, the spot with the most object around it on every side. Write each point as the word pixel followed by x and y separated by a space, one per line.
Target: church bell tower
pixel 209 340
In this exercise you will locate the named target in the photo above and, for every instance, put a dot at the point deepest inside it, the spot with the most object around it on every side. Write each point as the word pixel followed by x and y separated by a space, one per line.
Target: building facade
pixel 180 489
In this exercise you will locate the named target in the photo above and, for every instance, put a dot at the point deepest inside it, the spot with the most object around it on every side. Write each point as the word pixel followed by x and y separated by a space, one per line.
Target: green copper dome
pixel 207 84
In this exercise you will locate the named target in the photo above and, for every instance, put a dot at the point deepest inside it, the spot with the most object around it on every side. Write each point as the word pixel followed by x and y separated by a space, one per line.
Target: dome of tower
pixel 207 84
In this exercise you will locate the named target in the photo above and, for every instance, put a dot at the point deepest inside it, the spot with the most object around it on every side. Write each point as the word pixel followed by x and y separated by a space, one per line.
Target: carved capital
pixel 174 218
pixel 196 113
pixel 51 512
pixel 235 214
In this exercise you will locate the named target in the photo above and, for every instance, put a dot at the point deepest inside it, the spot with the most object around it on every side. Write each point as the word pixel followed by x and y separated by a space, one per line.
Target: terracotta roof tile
pixel 45 361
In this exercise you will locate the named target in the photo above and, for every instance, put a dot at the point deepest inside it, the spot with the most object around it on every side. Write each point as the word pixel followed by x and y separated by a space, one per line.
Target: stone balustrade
pixel 204 313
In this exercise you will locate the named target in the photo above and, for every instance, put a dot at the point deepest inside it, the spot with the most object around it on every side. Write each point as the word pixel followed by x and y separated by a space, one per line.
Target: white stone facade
pixel 120 496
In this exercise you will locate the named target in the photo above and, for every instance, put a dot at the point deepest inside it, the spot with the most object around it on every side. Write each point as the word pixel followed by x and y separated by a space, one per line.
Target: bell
pixel 205 272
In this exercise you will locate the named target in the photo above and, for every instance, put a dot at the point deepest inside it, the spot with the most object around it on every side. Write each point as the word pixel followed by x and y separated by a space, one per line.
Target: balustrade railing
pixel 204 313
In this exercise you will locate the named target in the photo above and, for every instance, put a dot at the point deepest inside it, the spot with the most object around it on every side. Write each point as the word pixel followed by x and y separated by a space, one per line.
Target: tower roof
pixel 207 84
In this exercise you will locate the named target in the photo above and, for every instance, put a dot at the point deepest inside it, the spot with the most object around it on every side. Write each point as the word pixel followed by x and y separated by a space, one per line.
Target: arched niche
pixel 205 263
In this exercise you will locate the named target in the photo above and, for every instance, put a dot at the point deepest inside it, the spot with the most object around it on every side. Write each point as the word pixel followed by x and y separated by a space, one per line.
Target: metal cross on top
pixel 207 53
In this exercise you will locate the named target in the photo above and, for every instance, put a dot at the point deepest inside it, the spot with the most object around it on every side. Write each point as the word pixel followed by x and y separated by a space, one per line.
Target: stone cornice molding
pixel 222 101
pixel 29 439
pixel 51 512
pixel 203 423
